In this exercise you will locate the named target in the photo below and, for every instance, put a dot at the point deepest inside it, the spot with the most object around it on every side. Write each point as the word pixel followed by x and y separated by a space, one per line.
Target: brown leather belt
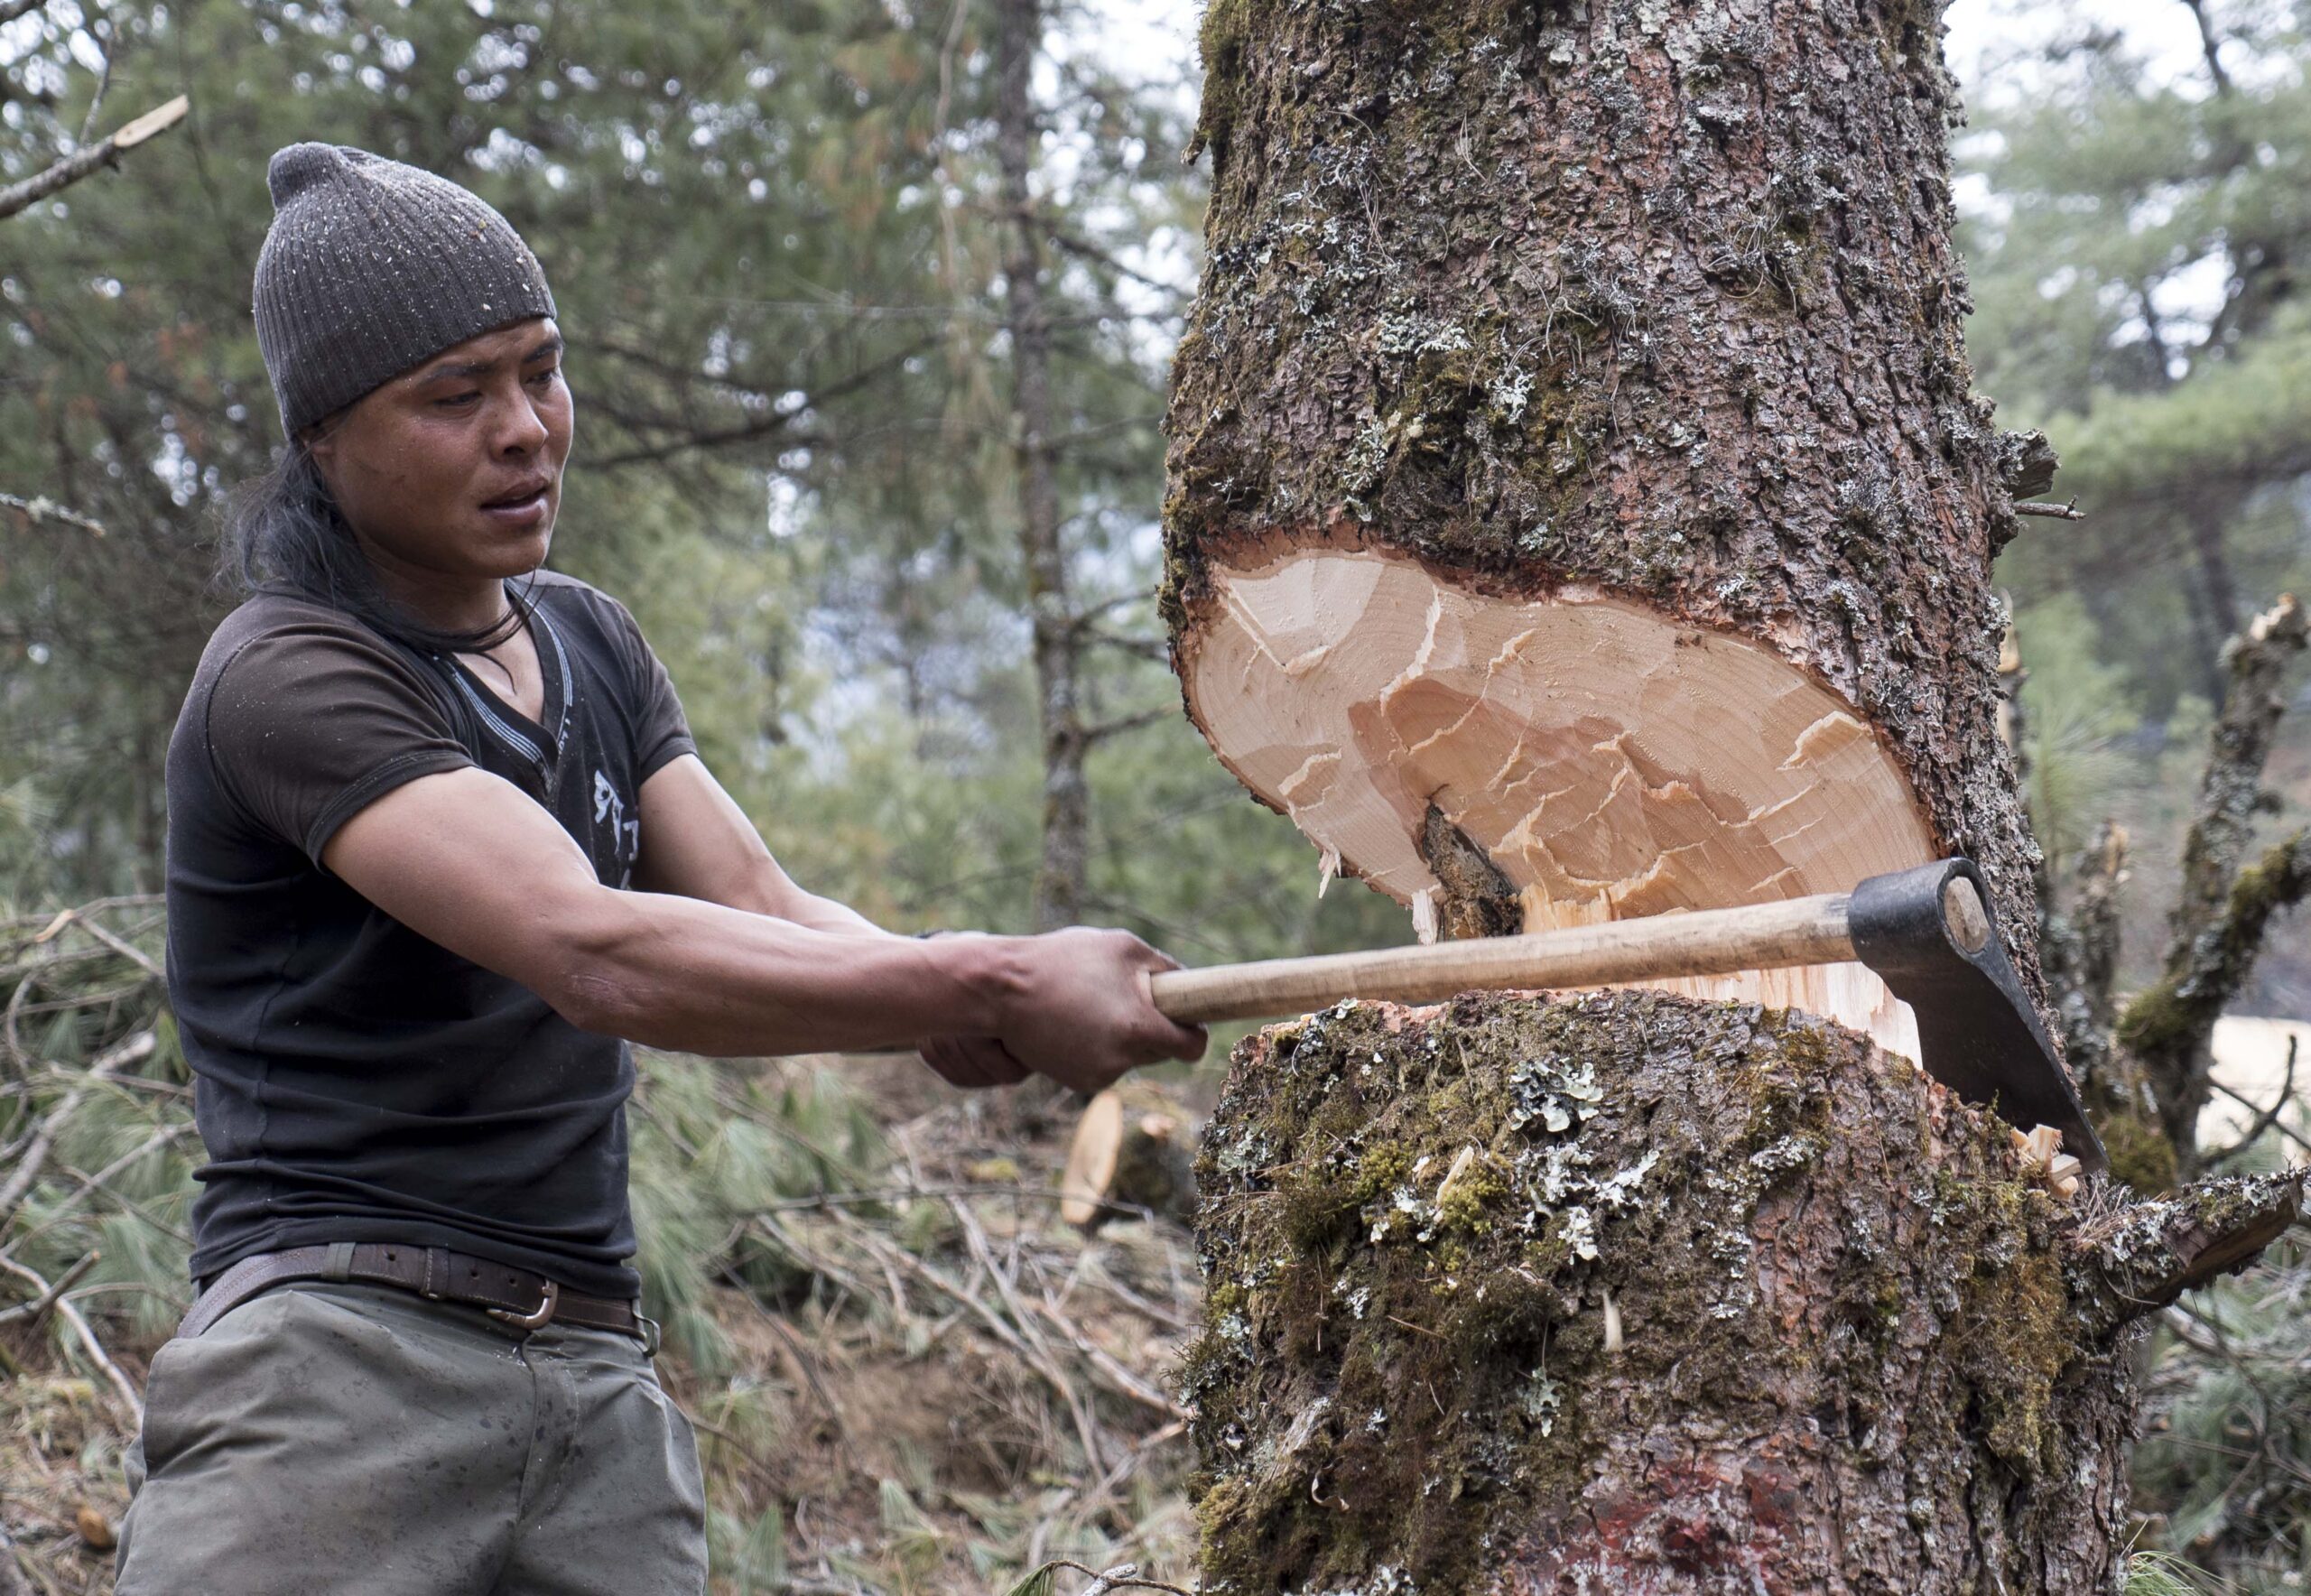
pixel 515 1297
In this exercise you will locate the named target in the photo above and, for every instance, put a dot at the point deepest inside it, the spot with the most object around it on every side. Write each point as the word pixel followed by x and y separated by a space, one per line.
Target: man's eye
pixel 548 375
pixel 454 401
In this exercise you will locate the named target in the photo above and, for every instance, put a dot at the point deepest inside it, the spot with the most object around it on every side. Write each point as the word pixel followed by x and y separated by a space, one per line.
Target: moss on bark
pixel 1843 1332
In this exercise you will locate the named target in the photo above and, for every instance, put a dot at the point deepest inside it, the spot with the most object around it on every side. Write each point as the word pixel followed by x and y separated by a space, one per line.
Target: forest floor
pixel 922 1384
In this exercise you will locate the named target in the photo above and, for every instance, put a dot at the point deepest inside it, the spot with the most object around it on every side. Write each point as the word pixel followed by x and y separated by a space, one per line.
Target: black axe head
pixel 1932 937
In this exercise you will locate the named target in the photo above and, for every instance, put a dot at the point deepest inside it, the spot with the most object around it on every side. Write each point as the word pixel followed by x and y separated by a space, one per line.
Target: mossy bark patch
pixel 1633 1293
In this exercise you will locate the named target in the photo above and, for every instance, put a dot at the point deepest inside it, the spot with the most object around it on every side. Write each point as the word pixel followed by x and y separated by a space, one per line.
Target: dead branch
pixel 88 1338
pixel 95 157
pixel 2069 512
pixel 2231 790
pixel 2168 1026
pixel 41 508
pixel 2096 922
pixel 2302 1142
pixel 133 1051
pixel 38 1308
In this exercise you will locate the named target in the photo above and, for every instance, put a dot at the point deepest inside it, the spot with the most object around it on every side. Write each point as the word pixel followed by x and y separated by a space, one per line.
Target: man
pixel 439 844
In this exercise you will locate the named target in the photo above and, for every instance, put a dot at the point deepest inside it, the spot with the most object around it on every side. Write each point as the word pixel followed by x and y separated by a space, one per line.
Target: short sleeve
pixel 661 732
pixel 309 722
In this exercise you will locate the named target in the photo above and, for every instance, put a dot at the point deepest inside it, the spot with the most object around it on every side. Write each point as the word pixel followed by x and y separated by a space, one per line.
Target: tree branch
pixel 2168 1026
pixel 10 10
pixel 41 508
pixel 2266 1119
pixel 1124 723
pixel 2218 923
pixel 2147 1254
pixel 136 1050
pixel 79 164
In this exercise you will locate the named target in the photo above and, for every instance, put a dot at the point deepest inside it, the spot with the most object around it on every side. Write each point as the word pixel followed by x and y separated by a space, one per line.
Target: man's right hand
pixel 1077 1008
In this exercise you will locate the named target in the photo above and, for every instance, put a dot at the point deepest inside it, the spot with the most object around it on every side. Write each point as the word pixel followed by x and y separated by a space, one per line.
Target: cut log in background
pixel 1133 1154
pixel 1579 509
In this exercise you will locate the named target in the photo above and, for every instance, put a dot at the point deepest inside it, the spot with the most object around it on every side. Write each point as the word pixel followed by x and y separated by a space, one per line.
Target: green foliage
pixel 2078 707
pixel 2129 250
pixel 712 1146
pixel 2230 1416
pixel 2154 1573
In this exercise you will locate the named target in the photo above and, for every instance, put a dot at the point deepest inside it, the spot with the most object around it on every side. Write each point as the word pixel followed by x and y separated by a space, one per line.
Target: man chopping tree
pixel 440 847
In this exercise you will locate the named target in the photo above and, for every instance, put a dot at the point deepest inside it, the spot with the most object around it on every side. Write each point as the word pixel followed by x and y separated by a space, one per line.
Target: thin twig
pixel 95 157
pixel 40 508
pixel 2252 1107
pixel 88 1337
pixel 37 1309
pixel 2069 512
pixel 104 82
pixel 2269 1117
pixel 136 1049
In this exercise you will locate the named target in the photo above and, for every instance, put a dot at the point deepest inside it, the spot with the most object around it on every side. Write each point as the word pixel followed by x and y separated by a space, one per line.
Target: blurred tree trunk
pixel 1060 875
pixel 1579 510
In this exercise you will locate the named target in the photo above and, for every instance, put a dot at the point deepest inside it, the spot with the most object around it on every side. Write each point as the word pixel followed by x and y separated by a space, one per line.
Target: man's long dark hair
pixel 283 533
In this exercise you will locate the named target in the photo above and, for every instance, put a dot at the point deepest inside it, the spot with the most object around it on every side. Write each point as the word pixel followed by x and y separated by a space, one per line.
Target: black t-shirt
pixel 354 1080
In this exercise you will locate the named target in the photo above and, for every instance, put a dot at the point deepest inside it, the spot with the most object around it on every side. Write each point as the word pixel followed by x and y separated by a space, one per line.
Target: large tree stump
pixel 1579 510
pixel 1635 1293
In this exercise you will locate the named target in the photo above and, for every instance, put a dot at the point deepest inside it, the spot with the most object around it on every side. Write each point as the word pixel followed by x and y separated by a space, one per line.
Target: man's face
pixel 453 469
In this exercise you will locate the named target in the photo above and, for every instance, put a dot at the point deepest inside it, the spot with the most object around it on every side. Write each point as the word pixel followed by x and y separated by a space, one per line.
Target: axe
pixel 1928 932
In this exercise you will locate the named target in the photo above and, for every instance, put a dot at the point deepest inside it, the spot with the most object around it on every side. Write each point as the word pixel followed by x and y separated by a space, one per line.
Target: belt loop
pixel 339 1266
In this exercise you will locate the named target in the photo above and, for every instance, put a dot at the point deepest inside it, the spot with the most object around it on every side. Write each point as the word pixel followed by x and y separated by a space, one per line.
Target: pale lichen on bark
pixel 1857 1349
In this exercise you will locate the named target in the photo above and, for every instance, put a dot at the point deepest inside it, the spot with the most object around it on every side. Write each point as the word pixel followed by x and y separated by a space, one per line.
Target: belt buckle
pixel 537 1320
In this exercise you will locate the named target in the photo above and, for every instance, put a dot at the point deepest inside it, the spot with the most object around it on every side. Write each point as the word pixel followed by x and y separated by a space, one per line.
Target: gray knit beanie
pixel 372 266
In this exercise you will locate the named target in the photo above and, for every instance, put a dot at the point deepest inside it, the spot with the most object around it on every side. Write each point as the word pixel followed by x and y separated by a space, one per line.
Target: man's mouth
pixel 531 496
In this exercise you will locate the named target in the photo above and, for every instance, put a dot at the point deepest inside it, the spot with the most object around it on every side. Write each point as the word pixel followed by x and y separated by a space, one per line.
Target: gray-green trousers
pixel 325 1438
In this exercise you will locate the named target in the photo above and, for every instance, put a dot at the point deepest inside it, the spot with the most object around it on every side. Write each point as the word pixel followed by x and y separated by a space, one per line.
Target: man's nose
pixel 522 431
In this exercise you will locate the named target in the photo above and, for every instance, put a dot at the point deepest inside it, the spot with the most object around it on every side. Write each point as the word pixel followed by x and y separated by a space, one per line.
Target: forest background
pixel 869 336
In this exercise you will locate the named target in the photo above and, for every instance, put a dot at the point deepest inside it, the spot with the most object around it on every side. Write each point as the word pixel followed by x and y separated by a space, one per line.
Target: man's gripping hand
pixel 1076 1007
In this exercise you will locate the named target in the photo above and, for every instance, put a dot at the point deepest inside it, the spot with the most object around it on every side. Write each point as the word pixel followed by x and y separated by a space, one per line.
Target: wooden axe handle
pixel 1708 941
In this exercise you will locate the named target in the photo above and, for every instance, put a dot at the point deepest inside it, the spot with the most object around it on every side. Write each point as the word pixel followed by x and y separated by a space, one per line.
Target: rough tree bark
pixel 1578 509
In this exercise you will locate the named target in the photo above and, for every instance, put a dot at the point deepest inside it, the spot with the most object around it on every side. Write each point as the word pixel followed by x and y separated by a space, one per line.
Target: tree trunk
pixel 1062 872
pixel 1635 1294
pixel 1601 375
pixel 1578 510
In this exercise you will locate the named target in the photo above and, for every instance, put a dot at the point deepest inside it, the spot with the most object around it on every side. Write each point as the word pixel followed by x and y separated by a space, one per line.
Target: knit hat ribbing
pixel 372 266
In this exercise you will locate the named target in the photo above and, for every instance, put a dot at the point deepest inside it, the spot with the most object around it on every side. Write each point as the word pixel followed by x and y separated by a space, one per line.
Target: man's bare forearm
pixel 684 974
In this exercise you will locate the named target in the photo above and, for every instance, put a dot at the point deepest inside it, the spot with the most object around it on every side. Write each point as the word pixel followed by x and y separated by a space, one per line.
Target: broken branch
pixel 2147 1255
pixel 79 164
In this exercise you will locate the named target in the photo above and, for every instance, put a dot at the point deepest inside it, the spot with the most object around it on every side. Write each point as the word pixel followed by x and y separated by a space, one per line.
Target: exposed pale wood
pixel 1797 933
pixel 1134 1149
pixel 1612 761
